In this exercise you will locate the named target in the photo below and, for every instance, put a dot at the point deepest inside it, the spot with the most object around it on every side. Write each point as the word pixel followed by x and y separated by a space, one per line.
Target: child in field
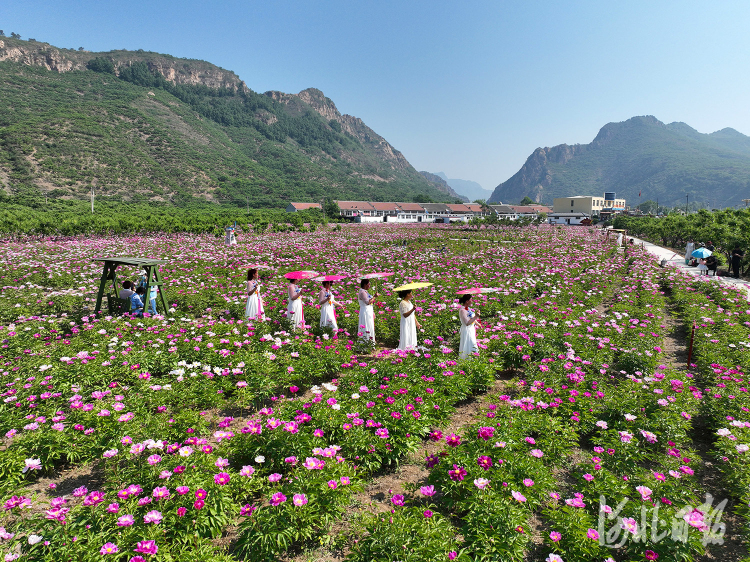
pixel 702 267
pixel 142 280
pixel 136 302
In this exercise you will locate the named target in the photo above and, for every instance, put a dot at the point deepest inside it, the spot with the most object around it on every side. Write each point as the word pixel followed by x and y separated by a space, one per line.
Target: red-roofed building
pixel 475 208
pixel 459 209
pixel 384 209
pixel 411 207
pixel 355 208
pixel 525 210
pixel 294 207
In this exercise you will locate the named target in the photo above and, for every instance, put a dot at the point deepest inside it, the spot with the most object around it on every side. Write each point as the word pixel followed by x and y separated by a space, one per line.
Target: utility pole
pixel 687 198
pixel 92 198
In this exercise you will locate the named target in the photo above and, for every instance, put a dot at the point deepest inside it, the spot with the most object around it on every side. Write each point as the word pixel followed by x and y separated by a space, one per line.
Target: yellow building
pixel 589 204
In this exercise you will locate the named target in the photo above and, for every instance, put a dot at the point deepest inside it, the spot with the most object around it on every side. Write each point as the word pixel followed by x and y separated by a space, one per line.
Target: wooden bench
pixel 117 306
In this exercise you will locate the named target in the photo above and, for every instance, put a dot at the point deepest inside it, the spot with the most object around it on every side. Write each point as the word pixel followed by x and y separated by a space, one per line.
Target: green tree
pixel 100 64
pixel 331 209
pixel 14 35
pixel 527 201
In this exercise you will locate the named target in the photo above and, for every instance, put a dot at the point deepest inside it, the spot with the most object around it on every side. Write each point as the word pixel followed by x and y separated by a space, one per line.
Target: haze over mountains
pixel 640 155
pixel 469 189
pixel 143 126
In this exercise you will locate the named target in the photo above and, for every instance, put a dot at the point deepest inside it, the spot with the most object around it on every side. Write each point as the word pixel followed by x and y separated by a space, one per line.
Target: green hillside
pixel 142 127
pixel 640 155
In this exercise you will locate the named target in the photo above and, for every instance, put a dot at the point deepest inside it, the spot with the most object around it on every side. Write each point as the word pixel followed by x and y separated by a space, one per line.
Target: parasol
pixel 303 274
pixel 410 286
pixel 477 291
pixel 701 253
pixel 377 275
pixel 330 277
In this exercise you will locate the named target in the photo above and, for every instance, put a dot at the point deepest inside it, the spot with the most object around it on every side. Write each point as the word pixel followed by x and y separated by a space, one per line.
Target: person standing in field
pixel 468 333
pixel 409 323
pixel 254 306
pixel 737 255
pixel 327 303
pixel 366 312
pixel 294 309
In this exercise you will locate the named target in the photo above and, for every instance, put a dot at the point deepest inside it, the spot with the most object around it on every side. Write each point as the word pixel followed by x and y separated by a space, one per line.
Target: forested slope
pixel 141 126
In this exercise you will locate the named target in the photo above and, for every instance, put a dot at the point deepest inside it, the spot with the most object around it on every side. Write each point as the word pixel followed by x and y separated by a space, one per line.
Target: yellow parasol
pixel 410 286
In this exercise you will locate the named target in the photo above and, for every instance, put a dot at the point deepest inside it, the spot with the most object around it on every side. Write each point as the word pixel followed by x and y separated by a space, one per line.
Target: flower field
pixel 196 435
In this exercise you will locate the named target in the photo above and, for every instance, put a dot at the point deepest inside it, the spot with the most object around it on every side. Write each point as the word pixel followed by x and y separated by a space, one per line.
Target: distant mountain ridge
pixel 640 155
pixel 467 188
pixel 440 183
pixel 149 126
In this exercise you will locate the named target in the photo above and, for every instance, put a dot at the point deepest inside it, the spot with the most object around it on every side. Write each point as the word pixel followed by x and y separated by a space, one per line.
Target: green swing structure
pixel 117 305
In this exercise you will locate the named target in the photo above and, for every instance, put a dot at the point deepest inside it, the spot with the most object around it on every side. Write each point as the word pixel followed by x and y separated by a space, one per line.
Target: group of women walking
pixel 409 324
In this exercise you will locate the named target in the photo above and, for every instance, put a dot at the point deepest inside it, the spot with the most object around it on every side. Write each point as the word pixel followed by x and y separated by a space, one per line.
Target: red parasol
pixel 330 277
pixel 476 291
pixel 378 275
pixel 303 274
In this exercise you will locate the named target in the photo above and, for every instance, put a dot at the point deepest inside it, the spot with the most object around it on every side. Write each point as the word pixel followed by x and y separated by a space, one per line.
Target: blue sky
pixel 468 88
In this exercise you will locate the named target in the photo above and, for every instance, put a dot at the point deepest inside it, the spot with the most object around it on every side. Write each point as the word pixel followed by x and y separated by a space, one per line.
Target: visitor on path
pixel 254 305
pixel 136 302
pixel 366 312
pixel 127 290
pixel 327 303
pixel 409 324
pixel 737 255
pixel 689 251
pixel 468 333
pixel 712 263
pixel 710 246
pixel 294 310
pixel 230 239
pixel 142 280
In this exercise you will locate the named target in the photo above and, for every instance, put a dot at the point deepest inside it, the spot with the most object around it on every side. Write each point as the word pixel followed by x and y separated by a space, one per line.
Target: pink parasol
pixel 303 274
pixel 377 275
pixel 476 291
pixel 330 278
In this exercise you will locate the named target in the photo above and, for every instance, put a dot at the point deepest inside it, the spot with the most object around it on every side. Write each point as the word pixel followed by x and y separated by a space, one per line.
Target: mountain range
pixel 639 156
pixel 142 126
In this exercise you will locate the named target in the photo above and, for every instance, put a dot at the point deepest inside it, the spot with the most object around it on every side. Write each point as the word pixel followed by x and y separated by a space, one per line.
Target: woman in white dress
pixel 366 314
pixel 294 310
pixel 689 251
pixel 409 324
pixel 327 303
pixel 468 334
pixel 254 306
